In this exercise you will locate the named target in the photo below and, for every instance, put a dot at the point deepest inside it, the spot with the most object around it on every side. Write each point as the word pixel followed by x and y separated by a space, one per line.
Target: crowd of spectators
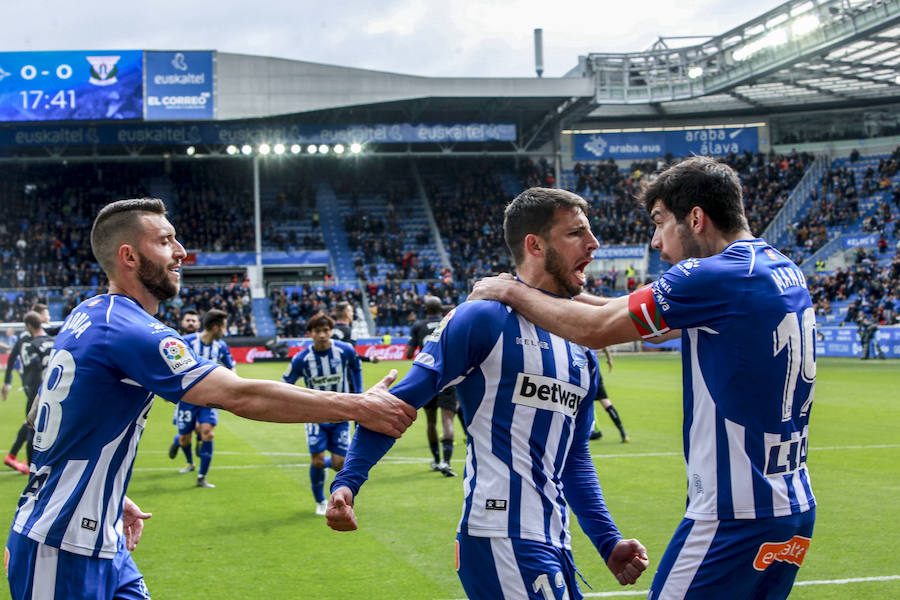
pixel 470 217
pixel 380 238
pixel 232 297
pixel 293 306
pixel 45 217
pixel 835 203
pixel 214 207
pixel 874 291
pixel 396 306
pixel 14 306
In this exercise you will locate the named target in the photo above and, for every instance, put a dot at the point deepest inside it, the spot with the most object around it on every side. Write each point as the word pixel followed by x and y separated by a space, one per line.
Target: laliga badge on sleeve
pixel 176 354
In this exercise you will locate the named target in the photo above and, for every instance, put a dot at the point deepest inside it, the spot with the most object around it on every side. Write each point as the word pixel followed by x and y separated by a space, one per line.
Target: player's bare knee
pixel 337 462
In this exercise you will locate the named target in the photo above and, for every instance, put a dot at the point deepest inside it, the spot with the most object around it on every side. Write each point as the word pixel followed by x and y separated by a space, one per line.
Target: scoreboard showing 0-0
pixel 80 85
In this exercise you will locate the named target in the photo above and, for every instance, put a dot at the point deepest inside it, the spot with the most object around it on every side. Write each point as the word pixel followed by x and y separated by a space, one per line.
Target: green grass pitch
pixel 256 535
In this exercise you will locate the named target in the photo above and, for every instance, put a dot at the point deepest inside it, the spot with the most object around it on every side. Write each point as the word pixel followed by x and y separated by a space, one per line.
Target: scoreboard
pixel 83 85
pixel 97 85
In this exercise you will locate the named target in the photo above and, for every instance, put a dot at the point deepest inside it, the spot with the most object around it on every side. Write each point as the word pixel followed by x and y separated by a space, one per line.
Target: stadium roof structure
pixel 803 55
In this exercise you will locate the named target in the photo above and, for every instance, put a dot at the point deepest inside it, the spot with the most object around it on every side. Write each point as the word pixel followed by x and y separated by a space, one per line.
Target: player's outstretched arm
pixel 586 324
pixel 340 515
pixel 627 561
pixel 276 401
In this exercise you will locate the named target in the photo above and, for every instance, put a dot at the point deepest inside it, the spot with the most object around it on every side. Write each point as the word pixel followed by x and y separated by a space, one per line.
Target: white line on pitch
pixel 617 594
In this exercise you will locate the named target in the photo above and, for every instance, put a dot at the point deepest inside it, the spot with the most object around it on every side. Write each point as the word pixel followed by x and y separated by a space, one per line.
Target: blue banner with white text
pixel 844 341
pixel 655 144
pixel 179 85
pixel 244 133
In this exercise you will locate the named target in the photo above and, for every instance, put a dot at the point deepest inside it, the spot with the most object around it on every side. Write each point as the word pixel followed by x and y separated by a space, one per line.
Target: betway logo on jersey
pixel 326 380
pixel 548 393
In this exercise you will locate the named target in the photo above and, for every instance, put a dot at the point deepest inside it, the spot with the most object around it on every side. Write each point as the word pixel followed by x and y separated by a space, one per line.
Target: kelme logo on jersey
pixel 686 266
pixel 548 393
pixel 176 354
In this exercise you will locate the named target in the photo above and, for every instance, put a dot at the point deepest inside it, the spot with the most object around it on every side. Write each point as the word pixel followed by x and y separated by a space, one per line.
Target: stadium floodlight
pixel 323 148
pixel 695 72
pixel 295 148
pixel 338 148
pixel 278 148
pixel 190 151
pixel 246 149
pixel 805 24
pixel 264 149
pixel 231 149
pixel 355 148
pixel 312 148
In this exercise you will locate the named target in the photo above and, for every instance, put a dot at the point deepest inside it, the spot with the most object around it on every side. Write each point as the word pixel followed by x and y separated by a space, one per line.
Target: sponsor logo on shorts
pixel 495 504
pixel 90 524
pixel 548 393
pixel 792 551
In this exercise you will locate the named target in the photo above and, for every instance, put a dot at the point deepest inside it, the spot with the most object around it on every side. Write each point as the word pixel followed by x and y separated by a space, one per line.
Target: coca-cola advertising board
pixel 249 354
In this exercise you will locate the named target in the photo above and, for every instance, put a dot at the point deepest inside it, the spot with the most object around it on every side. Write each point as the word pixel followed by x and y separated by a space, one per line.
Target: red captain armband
pixel 645 315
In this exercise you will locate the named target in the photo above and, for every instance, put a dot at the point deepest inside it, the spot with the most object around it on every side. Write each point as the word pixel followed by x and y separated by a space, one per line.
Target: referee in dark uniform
pixel 343 317
pixel 34 353
pixel 445 400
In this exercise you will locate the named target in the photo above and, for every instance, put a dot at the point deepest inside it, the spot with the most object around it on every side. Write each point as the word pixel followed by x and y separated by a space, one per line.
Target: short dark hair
pixel 341 308
pixel 433 305
pixel 533 211
pixel 39 307
pixel 319 319
pixel 33 321
pixel 213 318
pixel 118 220
pixel 699 181
pixel 189 311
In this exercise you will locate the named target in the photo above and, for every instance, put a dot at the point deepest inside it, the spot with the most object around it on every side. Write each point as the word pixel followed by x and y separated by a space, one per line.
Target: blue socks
pixel 205 453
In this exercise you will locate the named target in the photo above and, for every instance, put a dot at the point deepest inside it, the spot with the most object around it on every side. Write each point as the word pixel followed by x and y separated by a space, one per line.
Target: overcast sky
pixel 439 38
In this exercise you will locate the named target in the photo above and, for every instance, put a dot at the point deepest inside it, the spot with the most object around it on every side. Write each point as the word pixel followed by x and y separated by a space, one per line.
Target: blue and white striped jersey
pixel 109 359
pixel 527 399
pixel 336 369
pixel 748 353
pixel 216 352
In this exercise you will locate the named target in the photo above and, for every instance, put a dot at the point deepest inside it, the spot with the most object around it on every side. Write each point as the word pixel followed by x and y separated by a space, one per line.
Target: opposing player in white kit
pixel 527 398
pixel 748 354
pixel 74 528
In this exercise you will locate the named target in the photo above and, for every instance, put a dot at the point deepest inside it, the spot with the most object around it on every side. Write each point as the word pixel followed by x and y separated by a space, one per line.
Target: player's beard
pixel 554 266
pixel 155 278
pixel 690 245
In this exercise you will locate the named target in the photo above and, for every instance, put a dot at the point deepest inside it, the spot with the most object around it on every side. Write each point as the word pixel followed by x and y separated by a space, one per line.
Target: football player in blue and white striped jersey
pixel 206 344
pixel 74 529
pixel 527 399
pixel 748 354
pixel 325 365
